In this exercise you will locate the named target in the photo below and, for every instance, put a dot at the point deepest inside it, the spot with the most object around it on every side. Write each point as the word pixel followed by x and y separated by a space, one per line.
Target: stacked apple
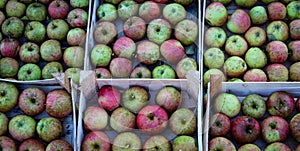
pixel 144 46
pixel 131 115
pixel 25 127
pixel 258 42
pixel 274 127
pixel 39 35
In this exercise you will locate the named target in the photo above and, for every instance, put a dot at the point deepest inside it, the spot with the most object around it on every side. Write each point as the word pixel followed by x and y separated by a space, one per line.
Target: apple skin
pixel 57 29
pixel 254 105
pixel 135 28
pixel 235 67
pixel 228 104
pixel 96 140
pixel 221 143
pixel 183 122
pixel 29 72
pixel 31 144
pixel 169 98
pixel 9 47
pixel 79 3
pixel 256 58
pixel 174 13
pixel 9 67
pixel 276 11
pixel 4 122
pixel 59 144
pixel 277 30
pixel 294 50
pixel 122 120
pixel 295 29
pixel 172 51
pixel 149 10
pixel 3 3
pixel 280 103
pixel 127 9
pixel 184 66
pixel 277 52
pixel 15 9
pixel 294 72
pixel 7 143
pixel 102 73
pixel 148 52
pixel 50 68
pixel 152 119
pixel 186 31
pixel 49 128
pixel 29 53
pixel 277 146
pixel 236 45
pixel 135 98
pixel 36 12
pixel 58 103
pixel 163 72
pixel 9 96
pixel 22 127
pixel 215 37
pixel 214 58
pixel 245 3
pixel 58 9
pixel 274 128
pixel 159 30
pixel 294 127
pixel 74 57
pixel 249 147
pixel 109 97
pixel 256 36
pixel 107 12
pixel 101 55
pixel 113 1
pixel 76 37
pixel 160 1
pixel 95 118
pixel 77 18
pixel 126 141
pixel 293 10
pixel 120 67
pixel 219 125
pixel 140 72
pixel 224 2
pixel 258 15
pixel 51 50
pixel 105 32
pixel 255 75
pixel 184 143
pixel 157 142
pixel 239 22
pixel 245 129
pixel 32 101
pixel 74 74
pixel 206 76
pixel 124 47
pixel 277 72
pixel 216 14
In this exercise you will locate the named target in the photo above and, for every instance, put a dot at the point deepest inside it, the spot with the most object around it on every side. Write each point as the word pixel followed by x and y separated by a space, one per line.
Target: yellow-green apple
pixel 236 45
pixel 74 74
pixel 122 120
pixel 254 105
pixel 249 147
pixel 36 12
pixel 57 29
pixel 277 72
pixel 127 9
pixel 293 10
pixel 235 66
pixel 185 143
pixel 221 143
pixel 258 15
pixel 135 98
pixel 96 140
pixel 157 142
pixel 105 32
pixel 149 10
pixel 29 53
pixel 59 144
pixel 214 58
pixel 101 55
pixel 49 128
pixel 74 57
pixel 58 103
pixel 163 72
pixel 268 1
pixel 224 2
pixel 109 97
pixel 256 36
pixel 126 141
pixel 215 37
pixel 148 52
pixel 216 14
pixel 206 76
pixel 174 13
pixel 184 2
pixel 2 17
pixel 51 50
pixel 184 66
pixel 13 27
pixel 274 129
pixel 113 1
pixel 15 9
pixel 245 129
pixel 8 96
pixel 159 30
pixel 228 104
pixel 255 75
pixel 79 3
pixel 58 9
pixel 255 58
pixel 219 125
pixel 9 67
pixel 107 12
pixel 276 11
pixel 169 98
pixel 238 22
pixel 294 71
pixel 277 30
pixel 32 101
pixel 50 68
pixel 186 31
pixel 22 127
pixel 120 67
pixel 29 72
pixel 245 3
pixel 183 122
pixel 95 118
pixel 3 3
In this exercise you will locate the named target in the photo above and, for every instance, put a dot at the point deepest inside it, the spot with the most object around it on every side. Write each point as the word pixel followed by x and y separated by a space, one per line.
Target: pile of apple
pixel 24 123
pixel 37 36
pixel 131 115
pixel 258 42
pixel 281 121
pixel 144 47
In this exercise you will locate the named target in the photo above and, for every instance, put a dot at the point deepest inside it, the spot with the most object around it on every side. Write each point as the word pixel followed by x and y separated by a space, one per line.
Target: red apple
pixel 96 140
pixel 58 9
pixel 295 127
pixel 9 47
pixel 276 11
pixel 274 128
pixel 245 129
pixel 109 97
pixel 219 125
pixel 280 103
pixel 277 51
pixel 172 51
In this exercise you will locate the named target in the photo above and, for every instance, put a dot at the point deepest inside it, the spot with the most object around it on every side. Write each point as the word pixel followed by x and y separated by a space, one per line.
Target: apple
pixel 184 66
pixel 96 140
pixel 95 118
pixel 77 18
pixel 107 12
pixel 148 52
pixel 258 15
pixel 15 9
pixel 295 29
pixel 255 75
pixel 214 58
pixel 157 142
pixel 294 71
pixel 102 73
pixel 249 147
pixel 274 129
pixel 277 146
pixel 228 104
pixel 221 143
pixel 294 126
pixel 280 103
pixel 294 50
pixel 215 37
pixel 184 143
pixel 4 123
pixel 127 9
pixel 206 76
pixel 32 101
pixel 122 120
pixel 3 3
pixel 9 47
pixel 163 72
pixel 31 144
pixel 186 32
pixel 109 97
pixel 74 57
pixel 219 125
pixel 235 66
pixel 74 74
pixel 277 52
pixel 29 53
pixel 58 9
pixel 9 67
pixel 239 22
pixel 105 32
pixel 236 45
pixel 22 127
pixel 58 103
pixel 277 30
pixel 245 129
pixel 36 12
pixel 135 98
pixel 79 3
pixel 7 143
pixel 59 144
pixel 124 47
pixel 152 119
pixel 224 2
pixel 216 14
pixel 159 30
pixel 245 3
pixel 49 128
pixel 29 72
pixel 50 68
pixel 293 10
pixel 8 96
pixel 12 27
pixel 76 37
pixel 172 51
pixel 51 50
pixel 276 11
pixel 135 28
pixel 120 67
pixel 35 32
pixel 140 72
pixel 255 58
pixel 126 141
pixel 256 36
pixel 2 17
pixel 183 122
pixel 57 29
pixel 101 55
pixel 149 10
pixel 277 72
pixel 174 13
pixel 169 98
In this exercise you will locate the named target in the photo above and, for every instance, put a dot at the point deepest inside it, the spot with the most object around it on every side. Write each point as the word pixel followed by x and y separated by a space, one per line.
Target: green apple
pixel 184 66
pixel 57 29
pixel 269 1
pixel 107 12
pixel 2 3
pixel 9 67
pixel 174 13
pixel 51 50
pixel 293 10
pixel 8 96
pixel 186 31
pixel 4 123
pixel 277 30
pixel 216 14
pixel 254 105
pixel 22 127
pixel 215 37
pixel 258 15
pixel 79 3
pixel 228 104
pixel 256 58
pixel 36 11
pixel 127 9
pixel 256 36
pixel 224 2
pixel 13 27
pixel 163 72
pixel 183 142
pixel 29 72
pixel 235 67
pixel 236 45
pixel 206 76
pixel 35 32
pixel 214 58
pixel 245 3
pixel 135 98
pixel 15 9
pixel 51 67
pixel 101 55
pixel 74 74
